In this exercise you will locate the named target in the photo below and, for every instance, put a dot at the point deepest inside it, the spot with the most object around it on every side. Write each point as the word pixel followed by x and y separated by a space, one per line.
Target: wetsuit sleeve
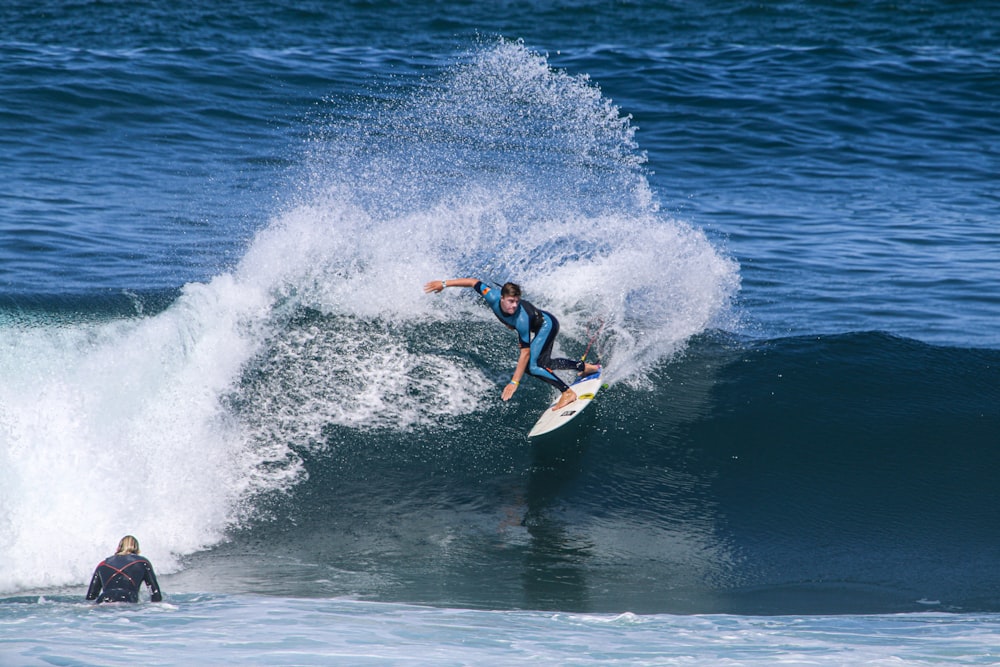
pixel 95 585
pixel 154 588
pixel 492 296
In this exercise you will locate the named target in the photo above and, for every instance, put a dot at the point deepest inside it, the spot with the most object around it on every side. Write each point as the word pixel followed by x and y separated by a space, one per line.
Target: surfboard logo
pixel 553 418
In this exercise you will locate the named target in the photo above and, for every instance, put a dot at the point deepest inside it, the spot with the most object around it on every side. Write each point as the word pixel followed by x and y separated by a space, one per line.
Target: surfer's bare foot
pixel 590 369
pixel 565 399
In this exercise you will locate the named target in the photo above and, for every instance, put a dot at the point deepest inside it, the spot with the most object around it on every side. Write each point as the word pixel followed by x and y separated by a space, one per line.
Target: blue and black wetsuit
pixel 536 330
pixel 120 576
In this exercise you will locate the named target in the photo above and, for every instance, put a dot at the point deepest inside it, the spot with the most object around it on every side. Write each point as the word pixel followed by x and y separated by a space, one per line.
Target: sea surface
pixel 776 225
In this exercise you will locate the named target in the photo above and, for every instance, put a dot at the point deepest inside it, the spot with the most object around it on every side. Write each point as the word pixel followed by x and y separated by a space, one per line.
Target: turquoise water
pixel 775 225
pixel 291 631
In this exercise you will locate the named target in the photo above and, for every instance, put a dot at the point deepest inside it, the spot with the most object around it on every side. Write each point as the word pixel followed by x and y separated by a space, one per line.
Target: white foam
pixel 317 631
pixel 113 429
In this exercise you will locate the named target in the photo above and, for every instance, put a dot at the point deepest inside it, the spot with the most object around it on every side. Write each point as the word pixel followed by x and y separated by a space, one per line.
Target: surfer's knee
pixel 537 371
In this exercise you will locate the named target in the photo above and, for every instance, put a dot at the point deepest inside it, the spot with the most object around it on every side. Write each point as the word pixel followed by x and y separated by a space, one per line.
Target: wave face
pixel 838 474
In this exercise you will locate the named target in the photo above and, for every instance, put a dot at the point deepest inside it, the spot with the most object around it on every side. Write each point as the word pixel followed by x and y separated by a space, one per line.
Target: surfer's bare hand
pixel 434 286
pixel 508 391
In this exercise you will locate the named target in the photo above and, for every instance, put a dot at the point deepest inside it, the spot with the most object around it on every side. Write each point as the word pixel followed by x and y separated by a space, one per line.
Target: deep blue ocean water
pixel 775 224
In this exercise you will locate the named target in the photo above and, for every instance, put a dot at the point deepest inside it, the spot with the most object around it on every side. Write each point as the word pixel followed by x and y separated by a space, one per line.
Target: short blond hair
pixel 127 545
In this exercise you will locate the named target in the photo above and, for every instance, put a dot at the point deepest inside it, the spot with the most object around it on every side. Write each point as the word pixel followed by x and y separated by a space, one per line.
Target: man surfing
pixel 536 330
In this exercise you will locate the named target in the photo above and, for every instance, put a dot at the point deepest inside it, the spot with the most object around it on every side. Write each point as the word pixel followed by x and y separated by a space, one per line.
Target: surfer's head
pixel 510 298
pixel 127 545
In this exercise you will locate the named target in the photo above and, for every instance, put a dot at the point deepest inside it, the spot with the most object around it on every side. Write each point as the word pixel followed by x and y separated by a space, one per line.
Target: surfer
pixel 119 576
pixel 536 330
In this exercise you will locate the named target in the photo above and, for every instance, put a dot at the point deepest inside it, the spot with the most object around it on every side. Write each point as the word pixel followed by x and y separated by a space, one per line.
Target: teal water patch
pixel 315 632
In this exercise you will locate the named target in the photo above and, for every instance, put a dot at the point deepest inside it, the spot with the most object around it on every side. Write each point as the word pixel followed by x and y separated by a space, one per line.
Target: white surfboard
pixel 586 388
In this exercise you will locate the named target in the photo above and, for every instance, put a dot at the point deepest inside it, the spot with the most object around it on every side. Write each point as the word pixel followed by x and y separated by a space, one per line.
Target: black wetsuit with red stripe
pixel 118 577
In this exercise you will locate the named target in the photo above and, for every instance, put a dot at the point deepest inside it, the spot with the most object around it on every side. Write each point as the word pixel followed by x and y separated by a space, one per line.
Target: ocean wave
pixel 222 397
pixel 822 474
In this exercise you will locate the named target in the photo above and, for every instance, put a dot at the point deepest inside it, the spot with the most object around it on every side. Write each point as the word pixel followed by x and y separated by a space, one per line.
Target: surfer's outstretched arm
pixel 438 285
pixel 522 365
